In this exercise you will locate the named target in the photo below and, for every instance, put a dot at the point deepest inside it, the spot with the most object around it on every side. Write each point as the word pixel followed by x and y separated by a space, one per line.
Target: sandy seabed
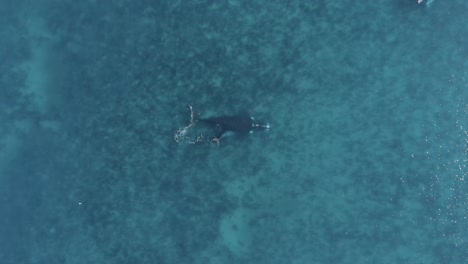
pixel 365 161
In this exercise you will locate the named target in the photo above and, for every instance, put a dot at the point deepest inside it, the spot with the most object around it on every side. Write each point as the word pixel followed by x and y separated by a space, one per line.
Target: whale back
pixel 231 125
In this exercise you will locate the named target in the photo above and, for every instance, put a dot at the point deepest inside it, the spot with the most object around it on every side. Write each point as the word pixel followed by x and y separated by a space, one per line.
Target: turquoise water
pixel 365 160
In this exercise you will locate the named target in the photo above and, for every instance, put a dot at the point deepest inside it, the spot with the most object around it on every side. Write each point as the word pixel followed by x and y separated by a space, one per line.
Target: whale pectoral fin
pixel 217 131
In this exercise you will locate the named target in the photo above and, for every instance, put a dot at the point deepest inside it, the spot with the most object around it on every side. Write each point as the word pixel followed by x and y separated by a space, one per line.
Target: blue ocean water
pixel 365 161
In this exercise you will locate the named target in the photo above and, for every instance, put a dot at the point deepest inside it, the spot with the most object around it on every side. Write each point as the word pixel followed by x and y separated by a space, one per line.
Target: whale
pixel 241 124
